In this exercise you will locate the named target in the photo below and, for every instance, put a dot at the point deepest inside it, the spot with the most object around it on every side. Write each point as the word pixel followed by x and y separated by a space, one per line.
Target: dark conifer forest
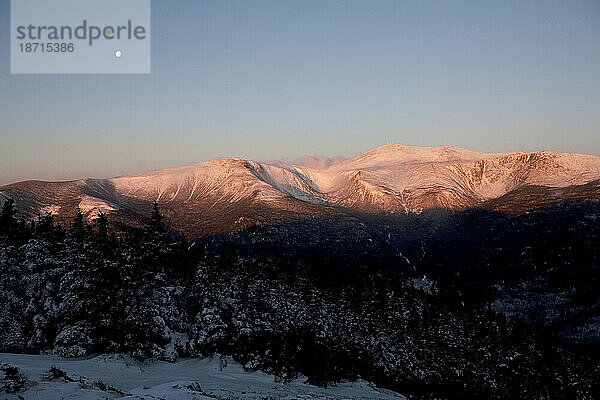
pixel 442 304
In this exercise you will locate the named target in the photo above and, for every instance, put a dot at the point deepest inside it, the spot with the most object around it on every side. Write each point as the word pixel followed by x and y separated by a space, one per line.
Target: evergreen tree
pixel 7 217
pixel 156 228
pixel 77 224
pixel 77 231
pixel 45 227
pixel 157 255
pixel 102 223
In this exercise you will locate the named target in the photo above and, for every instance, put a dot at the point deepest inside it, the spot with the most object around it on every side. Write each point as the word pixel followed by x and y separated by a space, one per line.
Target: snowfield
pixel 120 377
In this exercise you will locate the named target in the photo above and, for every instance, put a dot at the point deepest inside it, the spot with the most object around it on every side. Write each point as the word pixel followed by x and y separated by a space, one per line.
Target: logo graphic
pixel 80 36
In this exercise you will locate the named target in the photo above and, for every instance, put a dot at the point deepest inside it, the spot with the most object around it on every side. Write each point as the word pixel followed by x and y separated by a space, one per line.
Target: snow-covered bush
pixel 73 341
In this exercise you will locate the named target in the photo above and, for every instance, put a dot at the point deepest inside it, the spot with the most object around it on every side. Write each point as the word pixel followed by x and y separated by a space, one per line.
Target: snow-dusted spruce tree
pixel 145 331
pixel 8 223
pixel 12 326
pixel 88 289
pixel 42 268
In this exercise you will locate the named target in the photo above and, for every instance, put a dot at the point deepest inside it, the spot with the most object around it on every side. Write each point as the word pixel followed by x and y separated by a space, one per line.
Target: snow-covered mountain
pixel 231 194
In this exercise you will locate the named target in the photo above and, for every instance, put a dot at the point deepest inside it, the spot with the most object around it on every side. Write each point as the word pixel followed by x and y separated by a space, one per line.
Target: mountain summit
pixel 232 194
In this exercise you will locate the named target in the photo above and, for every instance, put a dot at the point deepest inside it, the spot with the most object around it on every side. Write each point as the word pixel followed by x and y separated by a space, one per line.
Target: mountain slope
pixel 232 194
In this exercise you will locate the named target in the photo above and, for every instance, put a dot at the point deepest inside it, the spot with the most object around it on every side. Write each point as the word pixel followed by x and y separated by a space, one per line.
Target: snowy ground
pixel 114 377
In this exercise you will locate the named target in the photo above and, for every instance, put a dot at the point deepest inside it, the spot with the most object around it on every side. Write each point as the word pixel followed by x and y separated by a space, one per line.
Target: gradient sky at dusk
pixel 281 79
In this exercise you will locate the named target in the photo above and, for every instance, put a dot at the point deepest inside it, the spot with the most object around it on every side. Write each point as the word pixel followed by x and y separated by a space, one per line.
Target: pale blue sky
pixel 281 79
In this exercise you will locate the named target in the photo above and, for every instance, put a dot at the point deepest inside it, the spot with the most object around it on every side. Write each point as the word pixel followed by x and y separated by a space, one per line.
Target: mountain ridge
pixel 231 194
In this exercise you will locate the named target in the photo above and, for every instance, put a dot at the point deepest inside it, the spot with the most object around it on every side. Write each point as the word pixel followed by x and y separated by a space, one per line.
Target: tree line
pixel 82 290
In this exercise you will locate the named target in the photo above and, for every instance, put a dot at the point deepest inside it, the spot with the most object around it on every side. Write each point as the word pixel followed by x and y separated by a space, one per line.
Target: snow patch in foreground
pixel 119 377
